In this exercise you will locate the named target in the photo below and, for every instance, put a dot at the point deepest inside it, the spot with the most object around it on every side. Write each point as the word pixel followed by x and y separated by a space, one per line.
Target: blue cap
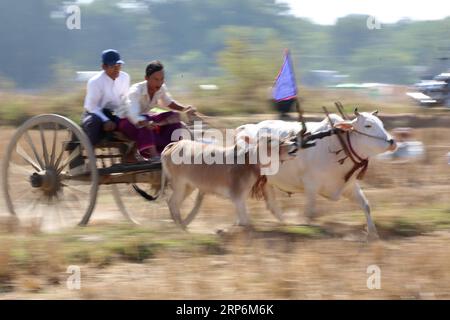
pixel 111 57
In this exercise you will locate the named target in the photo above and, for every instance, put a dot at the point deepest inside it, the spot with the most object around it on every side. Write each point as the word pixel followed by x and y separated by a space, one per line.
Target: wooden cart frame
pixel 38 172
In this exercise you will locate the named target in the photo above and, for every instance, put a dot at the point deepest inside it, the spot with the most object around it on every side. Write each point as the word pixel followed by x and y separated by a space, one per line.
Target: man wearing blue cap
pixel 106 97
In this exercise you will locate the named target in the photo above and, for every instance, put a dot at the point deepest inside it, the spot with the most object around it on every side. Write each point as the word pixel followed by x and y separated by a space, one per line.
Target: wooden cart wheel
pixel 137 209
pixel 49 174
pixel 140 211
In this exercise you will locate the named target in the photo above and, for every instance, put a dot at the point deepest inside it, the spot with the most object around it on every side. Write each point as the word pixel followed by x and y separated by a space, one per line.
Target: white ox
pixel 323 169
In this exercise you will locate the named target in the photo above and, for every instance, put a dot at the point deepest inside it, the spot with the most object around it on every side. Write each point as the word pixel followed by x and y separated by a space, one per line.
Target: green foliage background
pixel 237 45
pixel 208 38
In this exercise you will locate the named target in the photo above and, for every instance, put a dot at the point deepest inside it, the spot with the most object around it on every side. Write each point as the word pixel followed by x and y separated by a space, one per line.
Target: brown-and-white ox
pixel 326 169
pixel 214 174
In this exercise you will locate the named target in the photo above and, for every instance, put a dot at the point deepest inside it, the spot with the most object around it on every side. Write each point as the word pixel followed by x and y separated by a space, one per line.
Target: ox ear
pixel 375 113
pixel 356 112
pixel 345 125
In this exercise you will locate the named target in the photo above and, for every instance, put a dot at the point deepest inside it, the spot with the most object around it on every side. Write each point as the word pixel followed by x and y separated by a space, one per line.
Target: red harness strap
pixel 357 161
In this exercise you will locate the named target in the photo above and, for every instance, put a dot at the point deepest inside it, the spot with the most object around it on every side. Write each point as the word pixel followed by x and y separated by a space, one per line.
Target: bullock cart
pixel 51 174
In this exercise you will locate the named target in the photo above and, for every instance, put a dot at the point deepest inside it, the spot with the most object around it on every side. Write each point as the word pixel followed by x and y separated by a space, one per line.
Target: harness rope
pixel 369 135
pixel 358 161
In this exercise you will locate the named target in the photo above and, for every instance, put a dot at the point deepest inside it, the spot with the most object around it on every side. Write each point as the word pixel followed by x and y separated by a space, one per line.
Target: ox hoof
pixel 283 223
pixel 181 225
pixel 309 221
pixel 221 232
pixel 373 236
pixel 244 227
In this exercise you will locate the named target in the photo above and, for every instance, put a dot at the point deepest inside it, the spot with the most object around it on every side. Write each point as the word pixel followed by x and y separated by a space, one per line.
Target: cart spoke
pixel 61 202
pixel 58 160
pixel 76 172
pixel 61 217
pixel 30 208
pixel 70 211
pixel 55 135
pixel 22 192
pixel 21 198
pixel 36 201
pixel 44 146
pixel 18 169
pixel 61 153
pixel 75 189
pixel 27 158
pixel 37 217
pixel 75 153
pixel 31 144
pixel 71 196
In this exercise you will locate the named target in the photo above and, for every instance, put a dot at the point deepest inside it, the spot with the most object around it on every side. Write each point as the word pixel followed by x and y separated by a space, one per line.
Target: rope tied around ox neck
pixel 363 163
pixel 358 162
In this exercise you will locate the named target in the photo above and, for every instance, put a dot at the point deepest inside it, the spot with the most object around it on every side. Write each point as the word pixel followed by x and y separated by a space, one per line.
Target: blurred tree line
pixel 237 41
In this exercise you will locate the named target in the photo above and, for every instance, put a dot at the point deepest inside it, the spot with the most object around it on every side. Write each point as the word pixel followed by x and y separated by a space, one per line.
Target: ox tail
pixel 160 192
pixel 144 194
pixel 149 197
pixel 257 191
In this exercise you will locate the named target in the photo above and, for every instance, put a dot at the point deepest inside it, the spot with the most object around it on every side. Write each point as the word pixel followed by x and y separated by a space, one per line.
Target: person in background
pixel 106 98
pixel 152 131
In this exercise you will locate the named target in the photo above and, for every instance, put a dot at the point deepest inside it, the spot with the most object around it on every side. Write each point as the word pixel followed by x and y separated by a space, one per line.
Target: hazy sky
pixel 327 11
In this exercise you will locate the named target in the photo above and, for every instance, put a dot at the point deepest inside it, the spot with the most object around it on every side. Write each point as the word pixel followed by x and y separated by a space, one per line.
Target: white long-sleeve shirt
pixel 140 103
pixel 102 91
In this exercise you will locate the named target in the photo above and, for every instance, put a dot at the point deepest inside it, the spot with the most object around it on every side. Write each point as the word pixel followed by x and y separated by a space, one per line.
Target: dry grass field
pixel 329 260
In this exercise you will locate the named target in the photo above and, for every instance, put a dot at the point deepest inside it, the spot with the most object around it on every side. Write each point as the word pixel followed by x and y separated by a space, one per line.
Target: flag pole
pixel 300 117
pixel 298 107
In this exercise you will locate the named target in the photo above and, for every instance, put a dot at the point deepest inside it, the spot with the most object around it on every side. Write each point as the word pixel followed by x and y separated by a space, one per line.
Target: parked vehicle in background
pixel 436 92
pixel 408 148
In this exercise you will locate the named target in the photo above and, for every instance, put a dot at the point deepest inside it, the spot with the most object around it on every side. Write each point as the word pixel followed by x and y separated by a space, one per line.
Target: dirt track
pixel 410 202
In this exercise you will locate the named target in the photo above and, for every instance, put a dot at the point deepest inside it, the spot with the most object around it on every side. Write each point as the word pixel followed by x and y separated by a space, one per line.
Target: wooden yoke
pixel 302 134
pixel 340 108
pixel 338 134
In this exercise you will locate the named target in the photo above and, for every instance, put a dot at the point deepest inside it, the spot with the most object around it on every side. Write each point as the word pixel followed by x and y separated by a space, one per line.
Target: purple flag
pixel 285 87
